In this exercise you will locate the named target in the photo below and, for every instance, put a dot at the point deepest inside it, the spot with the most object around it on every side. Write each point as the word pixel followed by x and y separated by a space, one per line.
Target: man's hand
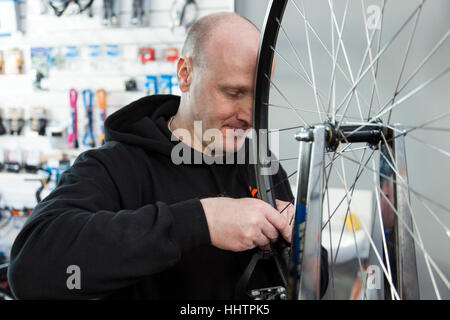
pixel 286 208
pixel 243 224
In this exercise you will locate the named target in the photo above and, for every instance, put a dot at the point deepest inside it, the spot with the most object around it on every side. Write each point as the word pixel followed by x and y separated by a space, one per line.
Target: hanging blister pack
pixel 13 160
pixel 151 85
pixel 100 96
pixel 15 120
pixel 72 138
pixel 71 54
pixel 88 137
pixel 38 120
pixel 165 84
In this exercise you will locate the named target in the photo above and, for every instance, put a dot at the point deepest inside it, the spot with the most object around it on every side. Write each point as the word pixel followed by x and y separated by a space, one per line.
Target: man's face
pixel 221 92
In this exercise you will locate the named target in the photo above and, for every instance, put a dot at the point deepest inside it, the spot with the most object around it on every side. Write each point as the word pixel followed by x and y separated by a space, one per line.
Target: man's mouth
pixel 233 128
pixel 236 130
pixel 236 126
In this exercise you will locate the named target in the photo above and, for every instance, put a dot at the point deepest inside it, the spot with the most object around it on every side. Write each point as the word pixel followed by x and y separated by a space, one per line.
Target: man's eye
pixel 234 94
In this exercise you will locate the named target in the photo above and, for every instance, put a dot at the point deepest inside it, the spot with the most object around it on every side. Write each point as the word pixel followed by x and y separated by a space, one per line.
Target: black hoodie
pixel 132 221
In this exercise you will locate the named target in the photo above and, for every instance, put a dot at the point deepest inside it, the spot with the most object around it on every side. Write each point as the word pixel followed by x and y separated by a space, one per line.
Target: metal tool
pixel 88 137
pixel 100 96
pixel 60 6
pixel 183 13
pixel 137 12
pixel 72 138
pixel 109 15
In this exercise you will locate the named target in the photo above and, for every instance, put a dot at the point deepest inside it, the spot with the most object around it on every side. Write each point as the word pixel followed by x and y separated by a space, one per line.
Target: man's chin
pixel 234 144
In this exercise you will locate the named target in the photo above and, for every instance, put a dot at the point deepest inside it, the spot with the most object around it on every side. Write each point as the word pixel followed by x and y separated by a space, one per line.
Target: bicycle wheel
pixel 365 160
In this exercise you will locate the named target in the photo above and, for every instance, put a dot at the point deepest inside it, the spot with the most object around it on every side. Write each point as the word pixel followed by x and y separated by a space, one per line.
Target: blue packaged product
pixel 165 84
pixel 151 85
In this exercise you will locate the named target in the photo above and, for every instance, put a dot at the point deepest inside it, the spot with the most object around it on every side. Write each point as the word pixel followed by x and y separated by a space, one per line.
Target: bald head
pixel 210 26
pixel 218 90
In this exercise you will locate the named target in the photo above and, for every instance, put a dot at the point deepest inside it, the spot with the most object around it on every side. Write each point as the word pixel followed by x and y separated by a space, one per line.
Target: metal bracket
pixel 304 273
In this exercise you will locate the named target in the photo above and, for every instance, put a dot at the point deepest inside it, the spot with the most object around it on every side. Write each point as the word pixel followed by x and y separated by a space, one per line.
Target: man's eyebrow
pixel 233 87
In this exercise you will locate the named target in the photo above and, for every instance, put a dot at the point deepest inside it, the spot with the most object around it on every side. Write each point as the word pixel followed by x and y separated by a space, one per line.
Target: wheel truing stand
pixel 304 269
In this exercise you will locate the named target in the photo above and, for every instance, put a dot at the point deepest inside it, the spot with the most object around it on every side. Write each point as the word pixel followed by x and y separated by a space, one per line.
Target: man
pixel 137 225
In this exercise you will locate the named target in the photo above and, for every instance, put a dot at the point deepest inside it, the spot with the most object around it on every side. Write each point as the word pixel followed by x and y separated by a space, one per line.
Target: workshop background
pixel 63 71
pixel 60 76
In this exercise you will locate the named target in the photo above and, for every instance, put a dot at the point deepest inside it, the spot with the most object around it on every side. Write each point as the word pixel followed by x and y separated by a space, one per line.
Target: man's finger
pixel 261 240
pixel 278 220
pixel 270 232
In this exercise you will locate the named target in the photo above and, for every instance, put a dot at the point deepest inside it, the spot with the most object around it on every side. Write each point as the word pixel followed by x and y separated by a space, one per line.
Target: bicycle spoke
pixel 399 176
pixel 403 99
pixel 282 181
pixel 327 177
pixel 287 159
pixel 426 128
pixel 308 81
pixel 420 66
pixel 292 67
pixel 423 126
pixel 331 95
pixel 425 252
pixel 404 59
pixel 418 240
pixel 285 129
pixel 294 50
pixel 359 172
pixel 320 41
pixel 357 149
pixel 418 194
pixel 311 67
pixel 413 92
pixel 380 260
pixel 444 152
pixel 286 99
pixel 303 110
pixel 355 84
pixel 380 53
pixel 349 198
pixel 372 94
pixel 383 233
pixel 317 36
pixel 344 52
pixel 373 69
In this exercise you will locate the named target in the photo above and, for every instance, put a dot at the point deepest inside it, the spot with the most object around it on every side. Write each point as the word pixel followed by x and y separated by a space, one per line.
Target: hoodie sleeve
pixel 81 224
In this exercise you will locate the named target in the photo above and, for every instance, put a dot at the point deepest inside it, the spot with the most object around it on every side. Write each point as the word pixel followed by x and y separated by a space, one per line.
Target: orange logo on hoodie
pixel 254 192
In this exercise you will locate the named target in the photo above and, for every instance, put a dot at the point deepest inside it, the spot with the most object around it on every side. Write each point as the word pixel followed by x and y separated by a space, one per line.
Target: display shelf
pixel 16 83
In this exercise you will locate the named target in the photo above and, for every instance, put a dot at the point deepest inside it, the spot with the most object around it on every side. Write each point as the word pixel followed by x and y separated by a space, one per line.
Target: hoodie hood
pixel 144 123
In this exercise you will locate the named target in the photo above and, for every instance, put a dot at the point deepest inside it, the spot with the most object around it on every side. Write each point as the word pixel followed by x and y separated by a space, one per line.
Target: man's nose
pixel 245 112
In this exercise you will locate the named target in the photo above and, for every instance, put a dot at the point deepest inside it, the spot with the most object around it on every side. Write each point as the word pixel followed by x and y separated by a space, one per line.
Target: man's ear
pixel 184 73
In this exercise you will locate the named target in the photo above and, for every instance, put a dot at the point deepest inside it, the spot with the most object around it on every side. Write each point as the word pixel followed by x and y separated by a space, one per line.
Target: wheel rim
pixel 340 114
